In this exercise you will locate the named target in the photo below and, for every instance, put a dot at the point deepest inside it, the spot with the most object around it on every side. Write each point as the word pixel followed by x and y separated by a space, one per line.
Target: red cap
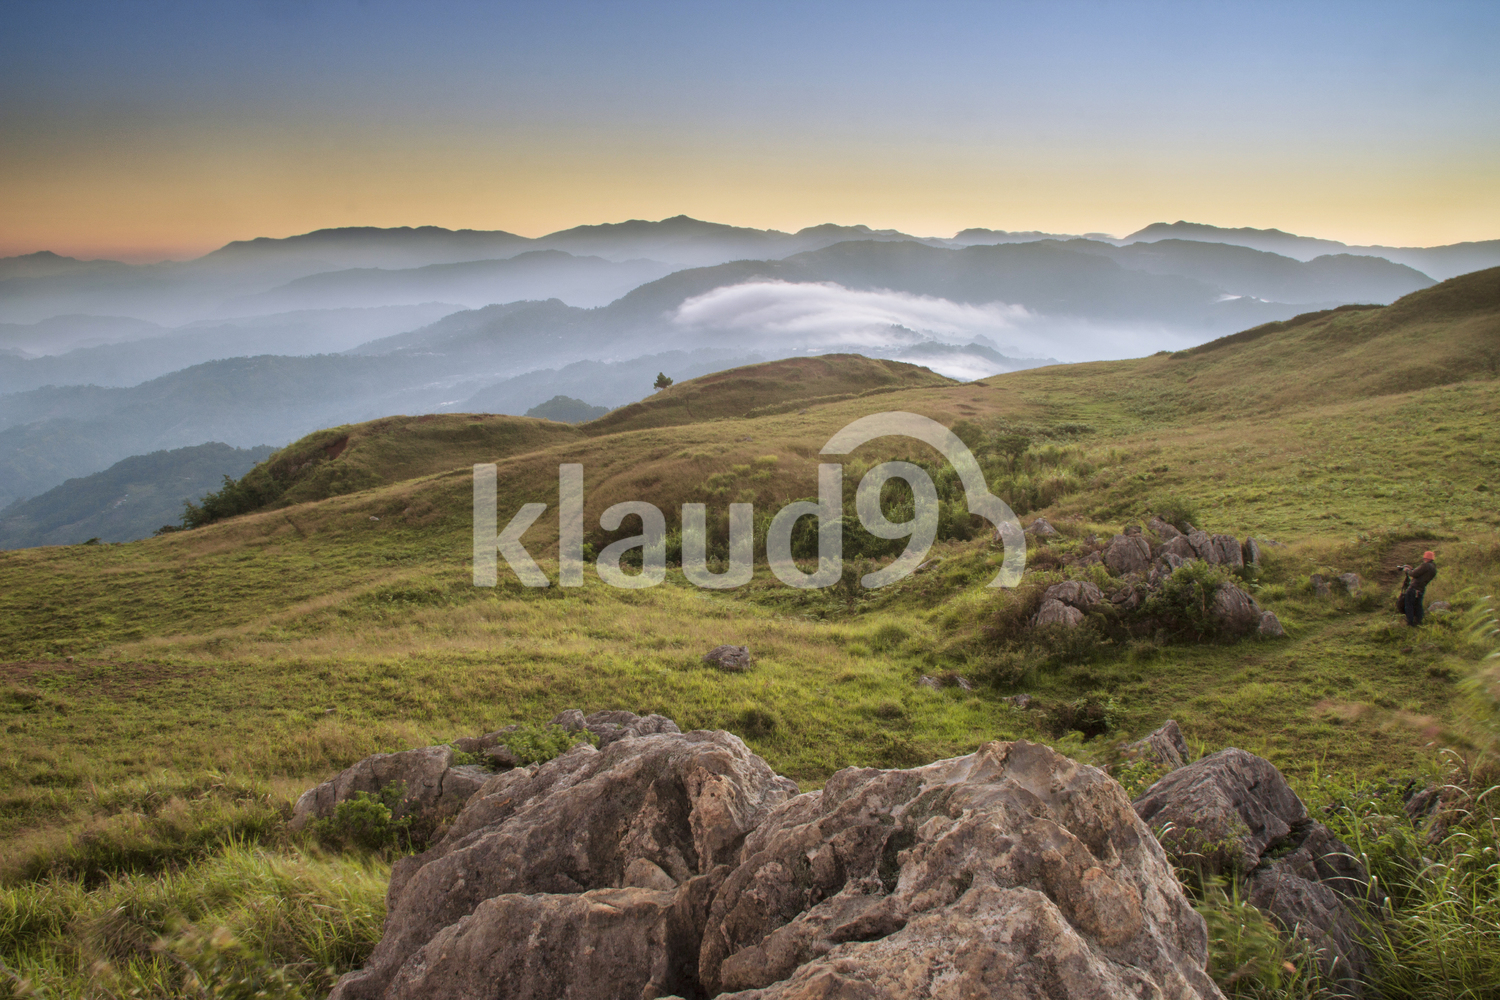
pixel 1429 555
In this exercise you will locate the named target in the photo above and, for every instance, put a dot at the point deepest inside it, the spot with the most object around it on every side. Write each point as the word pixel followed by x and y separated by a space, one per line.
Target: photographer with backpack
pixel 1414 587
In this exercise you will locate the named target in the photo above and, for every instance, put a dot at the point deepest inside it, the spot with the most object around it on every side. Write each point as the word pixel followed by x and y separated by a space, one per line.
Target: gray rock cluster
pixel 679 864
pixel 1144 565
pixel 1233 814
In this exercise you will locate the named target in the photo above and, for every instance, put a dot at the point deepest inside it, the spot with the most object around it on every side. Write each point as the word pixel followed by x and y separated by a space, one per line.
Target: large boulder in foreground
pixel 679 864
pixel 1233 813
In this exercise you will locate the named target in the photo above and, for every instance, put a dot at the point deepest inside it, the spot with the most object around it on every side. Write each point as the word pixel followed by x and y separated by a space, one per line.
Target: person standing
pixel 1415 587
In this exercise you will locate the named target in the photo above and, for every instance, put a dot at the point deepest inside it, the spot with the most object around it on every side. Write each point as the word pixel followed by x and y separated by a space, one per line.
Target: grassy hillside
pixel 1438 336
pixel 166 697
pixel 763 389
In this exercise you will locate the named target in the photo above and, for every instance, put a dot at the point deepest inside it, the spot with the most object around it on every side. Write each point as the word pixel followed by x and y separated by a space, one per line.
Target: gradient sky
pixel 148 130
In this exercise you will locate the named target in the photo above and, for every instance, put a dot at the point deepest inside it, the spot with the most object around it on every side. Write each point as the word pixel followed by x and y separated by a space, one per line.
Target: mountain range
pixel 265 340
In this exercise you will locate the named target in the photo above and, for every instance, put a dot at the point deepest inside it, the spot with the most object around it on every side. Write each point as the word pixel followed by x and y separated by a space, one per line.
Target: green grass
pixel 162 703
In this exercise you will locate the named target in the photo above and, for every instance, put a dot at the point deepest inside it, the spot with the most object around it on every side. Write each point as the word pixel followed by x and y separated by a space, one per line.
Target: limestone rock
pixel 1351 582
pixel 527 896
pixel 1317 892
pixel 1250 552
pixel 1217 550
pixel 1233 812
pixel 1439 607
pixel 1054 612
pixel 1167 746
pixel 1270 626
pixel 1222 812
pixel 1042 528
pixel 679 865
pixel 1202 543
pixel 1078 593
pixel 428 789
pixel 1126 554
pixel 1126 598
pixel 1235 610
pixel 1012 871
pixel 1161 529
pixel 610 726
pixel 1320 585
pixel 1166 564
pixel 570 719
pixel 1178 547
pixel 734 659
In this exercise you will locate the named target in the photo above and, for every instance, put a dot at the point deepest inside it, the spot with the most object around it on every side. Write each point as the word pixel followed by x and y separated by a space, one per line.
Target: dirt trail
pixel 1405 553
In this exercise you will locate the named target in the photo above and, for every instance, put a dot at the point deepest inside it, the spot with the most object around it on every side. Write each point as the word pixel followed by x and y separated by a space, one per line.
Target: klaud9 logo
pixel 490 544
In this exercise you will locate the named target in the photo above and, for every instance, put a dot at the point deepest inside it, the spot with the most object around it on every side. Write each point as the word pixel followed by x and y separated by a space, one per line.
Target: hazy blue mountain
pixel 53 434
pixel 1439 263
pixel 68 333
pixel 580 281
pixel 971 237
pixel 39 286
pixel 567 410
pixel 135 361
pixel 1239 270
pixel 129 500
pixel 369 246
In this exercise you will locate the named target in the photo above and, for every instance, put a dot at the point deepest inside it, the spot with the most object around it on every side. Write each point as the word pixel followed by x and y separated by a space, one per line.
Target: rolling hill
pixel 169 698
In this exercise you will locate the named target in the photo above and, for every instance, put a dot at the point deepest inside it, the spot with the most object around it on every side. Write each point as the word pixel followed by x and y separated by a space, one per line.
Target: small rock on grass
pixel 735 659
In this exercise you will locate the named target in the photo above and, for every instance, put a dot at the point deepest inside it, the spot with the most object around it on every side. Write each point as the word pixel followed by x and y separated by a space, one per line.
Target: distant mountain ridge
pixel 129 500
pixel 1440 262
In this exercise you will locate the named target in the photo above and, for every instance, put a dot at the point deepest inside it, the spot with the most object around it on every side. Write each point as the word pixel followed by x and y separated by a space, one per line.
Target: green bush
pixel 537 744
pixel 367 821
pixel 234 497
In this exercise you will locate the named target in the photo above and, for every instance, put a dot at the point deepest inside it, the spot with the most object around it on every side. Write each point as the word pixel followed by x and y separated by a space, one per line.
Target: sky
pixel 153 130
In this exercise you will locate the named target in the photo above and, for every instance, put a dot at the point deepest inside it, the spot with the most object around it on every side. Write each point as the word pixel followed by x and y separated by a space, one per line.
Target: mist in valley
pixel 265 340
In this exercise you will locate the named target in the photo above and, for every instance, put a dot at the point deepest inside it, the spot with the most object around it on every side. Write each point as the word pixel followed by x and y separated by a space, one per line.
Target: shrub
pixel 1058 645
pixel 1183 607
pixel 537 744
pixel 1095 714
pixel 234 497
pixel 367 821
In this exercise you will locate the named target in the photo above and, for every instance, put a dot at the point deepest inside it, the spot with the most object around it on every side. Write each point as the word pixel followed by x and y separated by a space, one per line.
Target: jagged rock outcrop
pixel 1233 813
pixel 1250 552
pixel 1161 529
pixel 1079 594
pixel 432 788
pixel 1216 550
pixel 1179 548
pixel 1234 610
pixel 1270 626
pixel 1166 746
pixel 1127 554
pixel 1054 612
pixel 680 865
pixel 1042 528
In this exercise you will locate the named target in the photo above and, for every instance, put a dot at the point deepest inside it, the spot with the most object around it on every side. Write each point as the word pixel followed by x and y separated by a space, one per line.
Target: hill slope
pixel 1439 336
